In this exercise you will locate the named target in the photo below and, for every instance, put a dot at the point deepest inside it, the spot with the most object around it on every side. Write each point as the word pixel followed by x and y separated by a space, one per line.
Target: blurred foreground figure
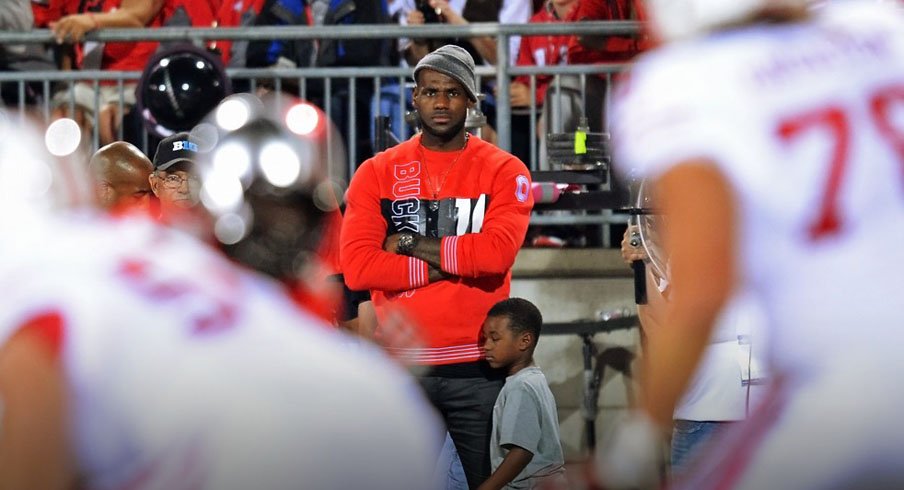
pixel 134 356
pixel 774 140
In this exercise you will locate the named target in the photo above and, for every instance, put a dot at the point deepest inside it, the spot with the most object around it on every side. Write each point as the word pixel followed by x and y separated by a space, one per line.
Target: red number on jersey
pixel 880 108
pixel 835 120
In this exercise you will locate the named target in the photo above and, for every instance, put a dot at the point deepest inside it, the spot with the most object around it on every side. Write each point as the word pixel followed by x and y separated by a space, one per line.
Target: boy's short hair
pixel 523 316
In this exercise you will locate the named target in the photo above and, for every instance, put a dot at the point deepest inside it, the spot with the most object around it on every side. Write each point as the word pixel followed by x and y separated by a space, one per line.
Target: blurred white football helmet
pixel 41 171
pixel 265 179
pixel 679 19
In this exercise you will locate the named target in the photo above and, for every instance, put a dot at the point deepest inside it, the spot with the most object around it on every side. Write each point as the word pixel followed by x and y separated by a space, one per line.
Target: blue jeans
pixel 689 436
pixel 449 467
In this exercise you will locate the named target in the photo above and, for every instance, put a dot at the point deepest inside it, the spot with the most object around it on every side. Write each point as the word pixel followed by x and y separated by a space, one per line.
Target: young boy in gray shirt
pixel 525 450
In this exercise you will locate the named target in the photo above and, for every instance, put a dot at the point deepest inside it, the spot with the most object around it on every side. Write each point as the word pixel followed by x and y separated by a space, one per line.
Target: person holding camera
pixel 727 384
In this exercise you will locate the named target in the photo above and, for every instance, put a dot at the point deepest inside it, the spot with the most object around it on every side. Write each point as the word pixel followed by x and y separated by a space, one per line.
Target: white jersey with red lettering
pixel 806 122
pixel 185 372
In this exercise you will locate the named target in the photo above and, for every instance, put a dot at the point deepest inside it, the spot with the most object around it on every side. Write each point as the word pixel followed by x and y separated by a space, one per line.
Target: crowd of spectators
pixel 110 110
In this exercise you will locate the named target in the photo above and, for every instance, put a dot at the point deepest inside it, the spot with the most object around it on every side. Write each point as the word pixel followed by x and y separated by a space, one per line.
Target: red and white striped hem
pixel 437 355
pixel 417 273
pixel 449 258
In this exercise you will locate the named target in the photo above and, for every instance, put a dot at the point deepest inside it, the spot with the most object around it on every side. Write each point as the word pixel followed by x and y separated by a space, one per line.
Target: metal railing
pixel 381 76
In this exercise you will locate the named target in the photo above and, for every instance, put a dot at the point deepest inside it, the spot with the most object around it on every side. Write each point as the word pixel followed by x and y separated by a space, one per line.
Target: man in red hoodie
pixel 432 227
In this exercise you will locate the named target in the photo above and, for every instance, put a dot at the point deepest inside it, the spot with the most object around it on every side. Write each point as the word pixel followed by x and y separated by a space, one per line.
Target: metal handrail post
pixel 503 101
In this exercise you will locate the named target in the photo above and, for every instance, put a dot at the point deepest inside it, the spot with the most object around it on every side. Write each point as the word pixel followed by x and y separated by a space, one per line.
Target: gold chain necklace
pixel 434 204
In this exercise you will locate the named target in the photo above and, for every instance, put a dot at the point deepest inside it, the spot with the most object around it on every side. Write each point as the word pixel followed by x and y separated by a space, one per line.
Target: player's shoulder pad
pixel 672 71
pixel 866 15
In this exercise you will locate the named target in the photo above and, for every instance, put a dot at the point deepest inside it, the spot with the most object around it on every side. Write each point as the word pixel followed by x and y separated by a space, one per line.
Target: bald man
pixel 121 172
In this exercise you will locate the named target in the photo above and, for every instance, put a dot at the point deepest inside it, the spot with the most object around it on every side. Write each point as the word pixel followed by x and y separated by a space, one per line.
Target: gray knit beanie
pixel 453 61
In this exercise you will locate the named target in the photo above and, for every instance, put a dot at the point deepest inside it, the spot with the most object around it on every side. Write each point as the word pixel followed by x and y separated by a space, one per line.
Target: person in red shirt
pixel 119 56
pixel 432 227
pixel 541 51
pixel 605 49
pixel 99 14
pixel 234 14
pixel 573 99
pixel 47 11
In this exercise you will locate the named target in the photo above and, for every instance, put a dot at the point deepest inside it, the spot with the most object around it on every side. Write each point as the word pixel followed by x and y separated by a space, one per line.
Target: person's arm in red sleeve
pixel 365 265
pixel 130 14
pixel 43 13
pixel 492 251
pixel 133 13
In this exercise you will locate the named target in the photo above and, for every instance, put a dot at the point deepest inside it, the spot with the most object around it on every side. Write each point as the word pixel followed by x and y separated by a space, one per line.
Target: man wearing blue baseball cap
pixel 174 180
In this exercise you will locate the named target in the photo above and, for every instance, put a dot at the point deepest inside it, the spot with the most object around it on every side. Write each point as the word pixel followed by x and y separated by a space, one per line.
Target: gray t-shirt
pixel 525 416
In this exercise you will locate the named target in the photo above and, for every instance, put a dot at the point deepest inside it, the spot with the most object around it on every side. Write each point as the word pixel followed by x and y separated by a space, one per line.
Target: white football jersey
pixel 186 372
pixel 806 122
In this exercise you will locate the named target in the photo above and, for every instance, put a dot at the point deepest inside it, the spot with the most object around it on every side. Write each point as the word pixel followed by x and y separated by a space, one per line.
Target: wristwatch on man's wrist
pixel 407 242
